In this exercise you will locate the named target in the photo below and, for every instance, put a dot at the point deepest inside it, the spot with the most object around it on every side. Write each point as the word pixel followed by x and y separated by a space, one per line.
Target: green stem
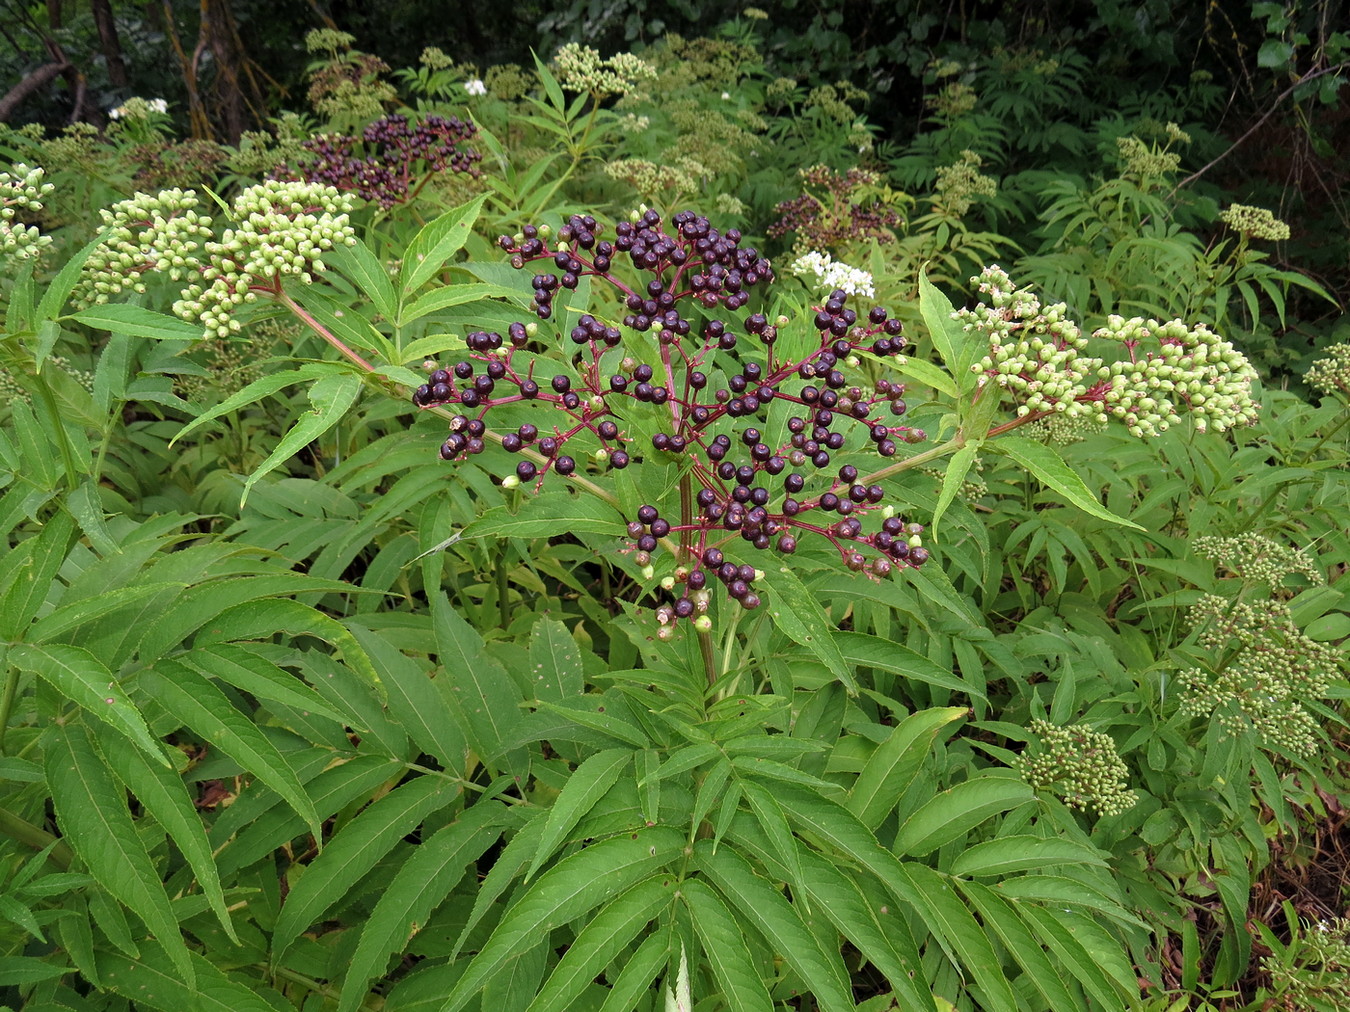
pixel 62 437
pixel 953 444
pixel 322 331
pixel 7 702
pixel 27 833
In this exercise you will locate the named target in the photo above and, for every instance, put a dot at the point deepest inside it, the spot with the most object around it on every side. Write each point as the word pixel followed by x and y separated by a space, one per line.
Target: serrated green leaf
pixel 256 391
pixel 24 971
pixel 616 728
pixel 925 372
pixel 76 613
pixel 547 515
pixel 957 469
pixel 59 288
pixel 85 507
pixel 604 936
pixel 1049 467
pixel 360 264
pixel 148 981
pixel 555 661
pixel 949 337
pixel 434 868
pixel 1006 922
pixel 137 321
pixel 863 650
pixel 164 796
pixel 961 936
pixel 958 810
pixel 485 698
pixel 81 677
pixel 443 298
pixel 416 702
pixel 1068 950
pixel 577 884
pixel 896 762
pixel 437 241
pixel 259 677
pixel 1058 891
pixel 589 782
pixel 765 907
pixel 635 979
pixel 354 851
pixel 263 619
pixel 771 819
pixel 331 396
pixel 91 810
pixel 1008 855
pixel 30 569
pixel 270 825
pixel 200 705
pixel 796 612
pixel 733 968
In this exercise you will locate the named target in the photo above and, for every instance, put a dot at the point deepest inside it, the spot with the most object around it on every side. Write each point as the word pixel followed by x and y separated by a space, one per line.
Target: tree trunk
pixel 109 43
pixel 31 82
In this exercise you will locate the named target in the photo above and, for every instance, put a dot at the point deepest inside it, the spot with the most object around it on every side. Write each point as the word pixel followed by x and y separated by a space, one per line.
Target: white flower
pixel 831 274
pixel 159 105
pixel 115 113
pixel 726 96
pixel 475 87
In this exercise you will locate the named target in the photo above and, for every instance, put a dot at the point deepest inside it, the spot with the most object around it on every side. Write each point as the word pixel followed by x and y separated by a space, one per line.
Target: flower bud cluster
pixel 282 229
pixel 1320 976
pixel 961 182
pixel 1038 355
pixel 1255 222
pixel 1147 161
pixel 1264 668
pixel 707 379
pixel 390 158
pixel 146 233
pixel 21 190
pixel 139 108
pixel 1034 350
pixel 1192 368
pixel 1333 372
pixel 1258 559
pixel 1080 765
pixel 581 68
pixel 828 274
pixel 674 179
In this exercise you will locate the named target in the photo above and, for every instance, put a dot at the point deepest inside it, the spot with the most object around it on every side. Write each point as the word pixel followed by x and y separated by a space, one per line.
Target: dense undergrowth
pixel 551 537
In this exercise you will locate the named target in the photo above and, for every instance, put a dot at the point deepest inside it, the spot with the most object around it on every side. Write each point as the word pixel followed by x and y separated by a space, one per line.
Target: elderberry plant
pixel 710 380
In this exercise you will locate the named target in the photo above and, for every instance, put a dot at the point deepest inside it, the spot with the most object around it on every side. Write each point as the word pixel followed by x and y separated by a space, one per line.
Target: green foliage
pixel 294 714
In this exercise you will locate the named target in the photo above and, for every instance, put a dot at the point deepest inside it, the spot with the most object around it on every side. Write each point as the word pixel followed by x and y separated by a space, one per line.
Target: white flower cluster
pixel 139 108
pixel 1037 354
pixel 581 68
pixel 21 190
pixel 831 274
pixel 145 234
pixel 475 87
pixel 284 228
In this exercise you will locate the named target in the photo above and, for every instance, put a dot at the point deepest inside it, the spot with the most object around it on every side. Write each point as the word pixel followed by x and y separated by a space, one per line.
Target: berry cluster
pixel 390 158
pixel 838 209
pixel 706 383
